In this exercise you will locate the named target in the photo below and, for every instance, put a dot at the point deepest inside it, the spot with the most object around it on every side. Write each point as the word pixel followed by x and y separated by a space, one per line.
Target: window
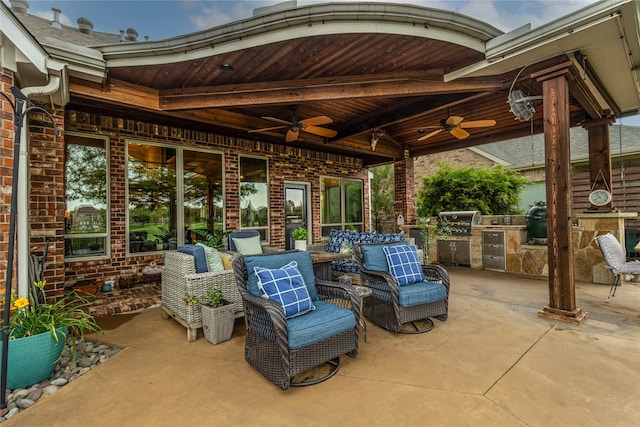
pixel 174 194
pixel 87 194
pixel 202 195
pixel 254 192
pixel 340 204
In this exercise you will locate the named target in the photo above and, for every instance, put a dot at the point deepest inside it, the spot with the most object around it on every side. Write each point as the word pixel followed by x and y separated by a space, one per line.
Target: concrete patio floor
pixel 495 362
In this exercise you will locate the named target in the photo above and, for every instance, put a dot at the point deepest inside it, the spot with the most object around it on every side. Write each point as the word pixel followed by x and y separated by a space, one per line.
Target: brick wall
pixel 285 164
pixel 6 168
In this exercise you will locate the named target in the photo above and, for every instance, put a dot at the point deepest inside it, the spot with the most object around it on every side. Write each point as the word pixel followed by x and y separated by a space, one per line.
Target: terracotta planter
pixel 33 359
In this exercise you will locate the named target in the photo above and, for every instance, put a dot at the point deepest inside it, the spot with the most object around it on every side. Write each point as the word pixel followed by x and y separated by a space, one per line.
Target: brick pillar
pixel 404 191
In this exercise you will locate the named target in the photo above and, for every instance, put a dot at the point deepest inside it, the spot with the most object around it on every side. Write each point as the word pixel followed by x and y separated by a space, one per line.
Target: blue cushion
pixel 345 266
pixel 305 267
pixel 375 258
pixel 337 238
pixel 387 238
pixel 198 255
pixel 285 286
pixel 404 264
pixel 326 321
pixel 421 293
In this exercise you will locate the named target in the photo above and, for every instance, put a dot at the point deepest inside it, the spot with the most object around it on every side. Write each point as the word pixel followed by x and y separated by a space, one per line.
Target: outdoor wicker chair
pixel 616 260
pixel 405 309
pixel 179 278
pixel 281 348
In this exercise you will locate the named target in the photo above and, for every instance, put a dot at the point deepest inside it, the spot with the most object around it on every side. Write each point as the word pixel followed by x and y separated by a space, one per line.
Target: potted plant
pixel 38 333
pixel 217 315
pixel 300 236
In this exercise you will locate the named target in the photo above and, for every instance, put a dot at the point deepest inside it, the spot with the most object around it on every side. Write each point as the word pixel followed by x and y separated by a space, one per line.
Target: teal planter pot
pixel 33 359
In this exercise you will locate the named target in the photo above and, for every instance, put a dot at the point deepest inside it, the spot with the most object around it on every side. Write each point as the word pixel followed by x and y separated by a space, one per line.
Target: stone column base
pixel 575 316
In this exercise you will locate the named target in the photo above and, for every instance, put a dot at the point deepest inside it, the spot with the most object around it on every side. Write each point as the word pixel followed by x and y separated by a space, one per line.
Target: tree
pixel 382 196
pixel 492 191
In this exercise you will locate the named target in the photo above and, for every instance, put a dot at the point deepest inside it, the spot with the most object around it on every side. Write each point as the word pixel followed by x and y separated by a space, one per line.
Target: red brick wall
pixel 285 164
pixel 6 168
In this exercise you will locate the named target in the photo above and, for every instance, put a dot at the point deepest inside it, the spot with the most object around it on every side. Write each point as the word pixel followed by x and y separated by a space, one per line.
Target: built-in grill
pixel 459 222
pixel 454 236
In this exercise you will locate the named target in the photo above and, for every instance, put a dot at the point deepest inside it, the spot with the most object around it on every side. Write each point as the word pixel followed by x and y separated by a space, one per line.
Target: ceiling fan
pixel 456 126
pixel 294 125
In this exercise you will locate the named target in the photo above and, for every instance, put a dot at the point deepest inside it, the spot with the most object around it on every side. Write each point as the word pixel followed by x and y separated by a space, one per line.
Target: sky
pixel 161 19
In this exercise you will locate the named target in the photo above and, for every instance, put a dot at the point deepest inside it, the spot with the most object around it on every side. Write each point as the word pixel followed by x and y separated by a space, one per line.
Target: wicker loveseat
pixel 179 277
pixel 343 240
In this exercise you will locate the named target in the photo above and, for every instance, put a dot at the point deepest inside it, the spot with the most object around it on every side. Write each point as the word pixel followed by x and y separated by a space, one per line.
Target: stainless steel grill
pixel 460 222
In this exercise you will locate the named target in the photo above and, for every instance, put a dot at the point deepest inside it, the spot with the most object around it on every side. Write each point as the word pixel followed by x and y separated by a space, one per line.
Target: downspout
pixel 22 221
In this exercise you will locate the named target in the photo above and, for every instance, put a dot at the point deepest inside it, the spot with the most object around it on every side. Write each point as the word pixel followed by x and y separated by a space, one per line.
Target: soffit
pixel 396 82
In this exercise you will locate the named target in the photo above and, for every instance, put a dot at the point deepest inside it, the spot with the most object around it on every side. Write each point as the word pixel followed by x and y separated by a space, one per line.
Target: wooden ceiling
pixel 390 85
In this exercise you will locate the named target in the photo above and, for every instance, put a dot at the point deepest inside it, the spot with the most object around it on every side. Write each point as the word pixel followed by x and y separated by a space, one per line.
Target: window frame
pixel 267 228
pixel 342 225
pixel 106 235
pixel 179 200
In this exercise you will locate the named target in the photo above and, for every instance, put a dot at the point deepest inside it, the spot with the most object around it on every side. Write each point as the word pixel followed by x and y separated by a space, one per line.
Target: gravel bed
pixel 89 354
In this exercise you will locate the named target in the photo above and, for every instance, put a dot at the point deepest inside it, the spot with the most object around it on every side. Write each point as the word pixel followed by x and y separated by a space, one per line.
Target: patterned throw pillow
pixel 404 264
pixel 286 286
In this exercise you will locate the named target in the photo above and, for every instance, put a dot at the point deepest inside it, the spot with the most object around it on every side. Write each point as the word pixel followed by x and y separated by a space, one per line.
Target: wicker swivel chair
pixel 616 260
pixel 404 309
pixel 281 348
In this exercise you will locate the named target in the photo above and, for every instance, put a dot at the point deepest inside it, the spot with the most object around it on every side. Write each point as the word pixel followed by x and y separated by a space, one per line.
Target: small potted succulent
pixel 300 236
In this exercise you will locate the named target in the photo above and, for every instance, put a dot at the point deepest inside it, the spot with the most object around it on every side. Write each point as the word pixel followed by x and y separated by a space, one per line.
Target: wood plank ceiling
pixel 367 83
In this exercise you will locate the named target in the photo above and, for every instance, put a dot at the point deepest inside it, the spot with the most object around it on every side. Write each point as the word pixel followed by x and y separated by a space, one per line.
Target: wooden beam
pixel 299 91
pixel 562 302
pixel 600 158
pixel 117 91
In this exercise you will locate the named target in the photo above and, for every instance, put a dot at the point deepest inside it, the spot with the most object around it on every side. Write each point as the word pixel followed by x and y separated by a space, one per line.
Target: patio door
pixel 296 208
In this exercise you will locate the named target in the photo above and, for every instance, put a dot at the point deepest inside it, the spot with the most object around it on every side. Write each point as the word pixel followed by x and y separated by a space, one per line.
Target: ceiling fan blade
pixel 429 135
pixel 459 133
pixel 267 129
pixel 292 135
pixel 454 120
pixel 319 120
pixel 317 130
pixel 478 124
pixel 277 120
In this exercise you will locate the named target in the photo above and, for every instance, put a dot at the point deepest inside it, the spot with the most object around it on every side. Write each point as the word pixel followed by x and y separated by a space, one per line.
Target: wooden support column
pixel 562 301
pixel 600 158
pixel 404 191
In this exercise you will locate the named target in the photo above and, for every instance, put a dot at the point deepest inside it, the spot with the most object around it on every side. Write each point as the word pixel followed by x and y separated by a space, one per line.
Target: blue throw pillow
pixel 199 256
pixel 375 258
pixel 404 264
pixel 286 286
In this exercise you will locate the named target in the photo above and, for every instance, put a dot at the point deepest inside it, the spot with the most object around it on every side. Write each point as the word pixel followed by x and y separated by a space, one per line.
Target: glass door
pixel 296 210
